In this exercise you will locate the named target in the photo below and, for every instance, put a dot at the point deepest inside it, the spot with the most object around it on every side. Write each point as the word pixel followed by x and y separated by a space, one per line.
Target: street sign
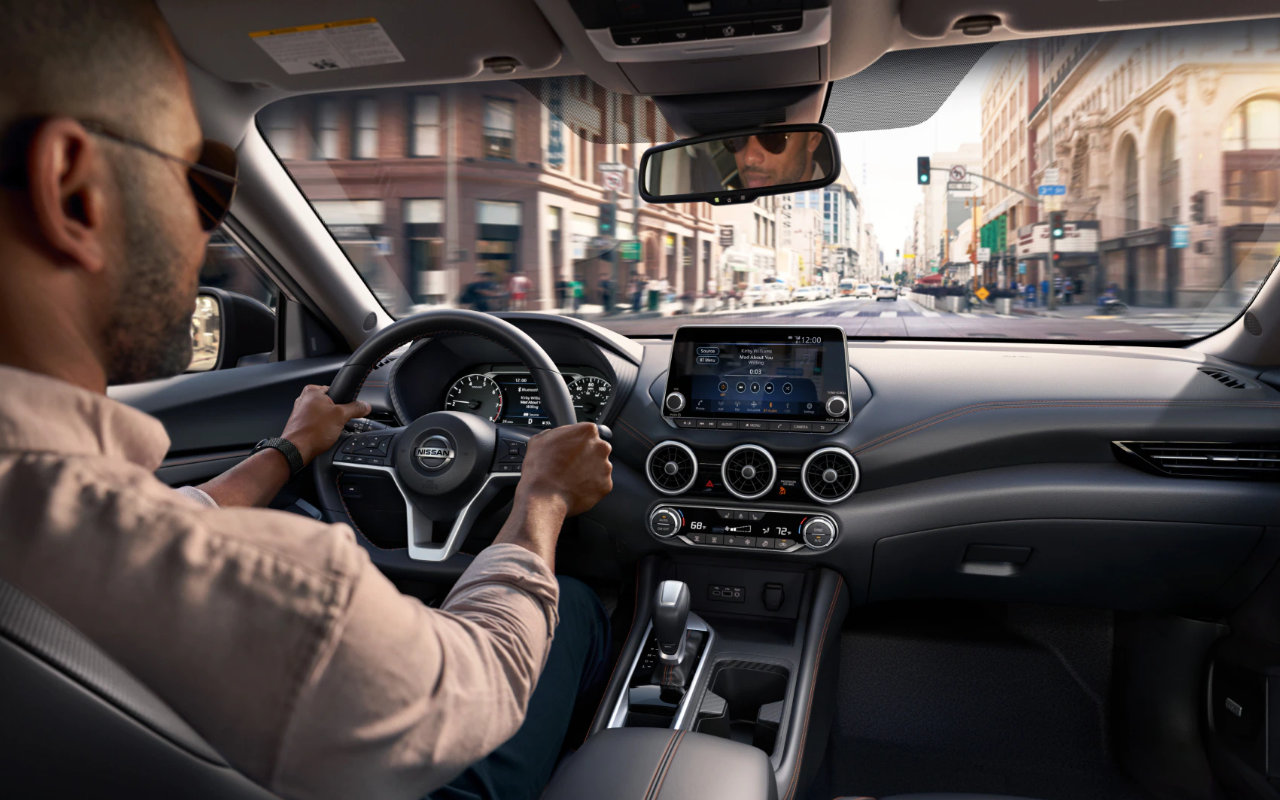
pixel 1050 189
pixel 982 293
pixel 612 181
pixel 612 166
pixel 959 172
pixel 960 187
pixel 630 250
pixel 726 236
pixel 1052 175
pixel 984 254
pixel 909 255
pixel 1179 236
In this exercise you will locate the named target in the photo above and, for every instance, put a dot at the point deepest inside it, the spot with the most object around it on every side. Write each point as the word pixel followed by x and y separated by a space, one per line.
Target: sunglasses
pixel 212 178
pixel 773 142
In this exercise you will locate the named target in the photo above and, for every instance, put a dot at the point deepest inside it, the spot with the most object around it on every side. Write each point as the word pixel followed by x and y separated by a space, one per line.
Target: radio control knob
pixel 675 402
pixel 836 406
pixel 818 532
pixel 665 522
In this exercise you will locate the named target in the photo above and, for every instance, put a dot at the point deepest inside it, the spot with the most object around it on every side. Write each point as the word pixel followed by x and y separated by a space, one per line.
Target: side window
pixel 227 266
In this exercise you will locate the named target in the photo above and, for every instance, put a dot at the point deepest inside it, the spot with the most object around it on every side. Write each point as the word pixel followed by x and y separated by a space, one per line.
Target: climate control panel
pixel 742 528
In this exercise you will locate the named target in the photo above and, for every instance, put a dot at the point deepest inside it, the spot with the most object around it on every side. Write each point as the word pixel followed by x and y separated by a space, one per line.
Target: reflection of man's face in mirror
pixel 772 159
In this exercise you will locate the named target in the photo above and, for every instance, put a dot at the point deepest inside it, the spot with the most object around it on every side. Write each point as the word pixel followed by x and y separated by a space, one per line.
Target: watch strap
pixel 287 449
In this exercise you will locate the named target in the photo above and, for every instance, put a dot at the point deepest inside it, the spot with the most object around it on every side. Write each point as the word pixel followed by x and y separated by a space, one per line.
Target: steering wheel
pixel 447 465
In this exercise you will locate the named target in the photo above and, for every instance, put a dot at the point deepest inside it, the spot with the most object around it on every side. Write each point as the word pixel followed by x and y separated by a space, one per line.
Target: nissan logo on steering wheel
pixel 434 453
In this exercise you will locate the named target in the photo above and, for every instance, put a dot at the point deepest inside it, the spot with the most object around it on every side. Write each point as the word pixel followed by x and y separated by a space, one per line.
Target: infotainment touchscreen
pixel 782 373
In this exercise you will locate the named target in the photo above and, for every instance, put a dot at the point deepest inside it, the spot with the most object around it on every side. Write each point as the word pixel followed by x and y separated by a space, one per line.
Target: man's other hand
pixel 569 464
pixel 316 421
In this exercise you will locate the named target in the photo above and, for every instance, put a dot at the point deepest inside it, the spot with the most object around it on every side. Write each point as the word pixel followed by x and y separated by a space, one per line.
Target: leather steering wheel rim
pixel 556 401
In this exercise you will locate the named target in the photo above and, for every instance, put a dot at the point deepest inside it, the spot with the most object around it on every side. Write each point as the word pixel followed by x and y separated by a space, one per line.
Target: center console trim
pixel 618 717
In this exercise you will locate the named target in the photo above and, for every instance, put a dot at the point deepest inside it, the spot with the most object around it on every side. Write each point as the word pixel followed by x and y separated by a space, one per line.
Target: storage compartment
pixel 745 703
pixel 1120 564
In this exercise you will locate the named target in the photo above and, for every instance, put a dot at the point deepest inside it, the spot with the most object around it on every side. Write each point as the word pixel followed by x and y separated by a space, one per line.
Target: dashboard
pixel 991 470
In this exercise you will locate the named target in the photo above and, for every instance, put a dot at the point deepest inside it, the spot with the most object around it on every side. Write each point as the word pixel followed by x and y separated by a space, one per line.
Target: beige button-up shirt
pixel 272 635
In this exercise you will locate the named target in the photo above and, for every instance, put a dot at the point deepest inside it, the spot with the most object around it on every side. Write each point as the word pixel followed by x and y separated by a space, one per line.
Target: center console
pixel 744 656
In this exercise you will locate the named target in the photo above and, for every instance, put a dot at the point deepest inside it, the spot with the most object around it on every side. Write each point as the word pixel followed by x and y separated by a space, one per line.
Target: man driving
pixel 774 159
pixel 272 635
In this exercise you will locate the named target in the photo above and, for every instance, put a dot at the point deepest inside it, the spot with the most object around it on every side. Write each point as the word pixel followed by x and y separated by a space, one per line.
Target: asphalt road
pixel 904 318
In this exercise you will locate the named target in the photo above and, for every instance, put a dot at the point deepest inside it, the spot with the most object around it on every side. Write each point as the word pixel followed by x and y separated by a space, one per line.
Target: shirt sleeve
pixel 405 697
pixel 198 495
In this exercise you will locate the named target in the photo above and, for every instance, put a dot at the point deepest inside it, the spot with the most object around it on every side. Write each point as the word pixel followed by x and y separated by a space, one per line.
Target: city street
pixel 905 318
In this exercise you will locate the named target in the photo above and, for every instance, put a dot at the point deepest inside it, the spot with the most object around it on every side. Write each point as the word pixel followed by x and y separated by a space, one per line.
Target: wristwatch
pixel 287 449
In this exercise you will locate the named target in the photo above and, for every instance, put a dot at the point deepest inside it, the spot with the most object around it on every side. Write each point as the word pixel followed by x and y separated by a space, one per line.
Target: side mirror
pixel 228 328
pixel 741 166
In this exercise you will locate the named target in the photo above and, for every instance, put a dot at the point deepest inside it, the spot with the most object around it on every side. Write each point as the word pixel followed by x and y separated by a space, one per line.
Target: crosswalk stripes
pixel 848 314
pixel 810 314
pixel 888 314
pixel 928 313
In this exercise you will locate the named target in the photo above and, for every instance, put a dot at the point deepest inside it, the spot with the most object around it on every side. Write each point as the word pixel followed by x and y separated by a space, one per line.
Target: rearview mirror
pixel 741 166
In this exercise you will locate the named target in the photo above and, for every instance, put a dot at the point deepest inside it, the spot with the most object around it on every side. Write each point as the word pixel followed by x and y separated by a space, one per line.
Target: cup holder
pixel 745 703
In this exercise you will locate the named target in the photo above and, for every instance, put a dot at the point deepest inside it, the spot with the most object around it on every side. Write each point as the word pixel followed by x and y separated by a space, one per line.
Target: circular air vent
pixel 748 471
pixel 829 475
pixel 671 467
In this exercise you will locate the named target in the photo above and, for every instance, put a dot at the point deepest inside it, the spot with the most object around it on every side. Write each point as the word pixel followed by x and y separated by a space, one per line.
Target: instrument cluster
pixel 508 395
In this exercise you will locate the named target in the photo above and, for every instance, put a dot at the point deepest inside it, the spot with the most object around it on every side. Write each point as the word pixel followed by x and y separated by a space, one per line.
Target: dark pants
pixel 578 663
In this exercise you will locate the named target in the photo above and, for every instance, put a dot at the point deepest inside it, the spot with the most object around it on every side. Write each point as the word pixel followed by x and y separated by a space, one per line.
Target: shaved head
pixel 100 59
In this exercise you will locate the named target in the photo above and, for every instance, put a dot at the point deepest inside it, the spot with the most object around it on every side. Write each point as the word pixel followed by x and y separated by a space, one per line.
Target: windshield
pixel 1112 187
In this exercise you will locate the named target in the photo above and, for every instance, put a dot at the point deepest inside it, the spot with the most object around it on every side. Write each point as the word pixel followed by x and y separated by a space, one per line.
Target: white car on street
pixel 808 293
pixel 886 291
pixel 863 290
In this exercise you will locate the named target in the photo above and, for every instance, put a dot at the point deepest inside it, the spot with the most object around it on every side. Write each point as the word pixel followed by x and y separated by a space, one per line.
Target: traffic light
pixel 922 170
pixel 1058 224
pixel 608 219
pixel 1198 202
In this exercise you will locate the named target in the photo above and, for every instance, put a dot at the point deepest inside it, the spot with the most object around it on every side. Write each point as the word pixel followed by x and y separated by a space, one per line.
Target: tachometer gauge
pixel 475 394
pixel 589 396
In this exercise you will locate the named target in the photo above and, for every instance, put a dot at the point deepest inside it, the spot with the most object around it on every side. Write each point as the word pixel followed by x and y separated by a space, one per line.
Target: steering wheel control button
pixel 665 522
pixel 434 453
pixel 675 402
pixel 836 406
pixel 818 533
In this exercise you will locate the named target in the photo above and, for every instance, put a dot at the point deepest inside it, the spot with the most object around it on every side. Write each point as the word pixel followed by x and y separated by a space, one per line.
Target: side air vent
pixel 1226 378
pixel 829 475
pixel 748 471
pixel 671 467
pixel 1242 462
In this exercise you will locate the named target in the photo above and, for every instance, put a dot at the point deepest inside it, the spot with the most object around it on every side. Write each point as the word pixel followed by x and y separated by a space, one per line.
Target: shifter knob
pixel 670 613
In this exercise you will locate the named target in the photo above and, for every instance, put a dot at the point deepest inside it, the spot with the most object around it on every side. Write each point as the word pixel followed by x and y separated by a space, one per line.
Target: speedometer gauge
pixel 475 394
pixel 589 396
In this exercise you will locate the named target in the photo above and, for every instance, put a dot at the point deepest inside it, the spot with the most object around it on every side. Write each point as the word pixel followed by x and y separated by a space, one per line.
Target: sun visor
pixel 874 98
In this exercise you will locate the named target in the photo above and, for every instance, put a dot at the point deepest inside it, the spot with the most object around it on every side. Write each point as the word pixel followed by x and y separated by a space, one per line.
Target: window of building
pixel 1251 157
pixel 499 129
pixel 1130 186
pixel 424 243
pixel 424 136
pixel 280 126
pixel 1168 192
pixel 326 141
pixel 365 129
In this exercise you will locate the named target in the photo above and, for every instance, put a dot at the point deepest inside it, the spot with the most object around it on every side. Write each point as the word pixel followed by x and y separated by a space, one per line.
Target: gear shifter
pixel 670 613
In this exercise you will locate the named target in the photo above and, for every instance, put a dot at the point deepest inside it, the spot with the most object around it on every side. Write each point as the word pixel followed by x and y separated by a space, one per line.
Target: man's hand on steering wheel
pixel 316 421
pixel 569 464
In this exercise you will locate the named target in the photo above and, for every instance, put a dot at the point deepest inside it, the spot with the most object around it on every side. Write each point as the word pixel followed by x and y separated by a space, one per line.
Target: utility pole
pixel 1053 162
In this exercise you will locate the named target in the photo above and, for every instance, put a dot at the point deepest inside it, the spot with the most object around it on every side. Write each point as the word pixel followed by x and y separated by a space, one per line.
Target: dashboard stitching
pixel 813 678
pixel 955 413
pixel 635 432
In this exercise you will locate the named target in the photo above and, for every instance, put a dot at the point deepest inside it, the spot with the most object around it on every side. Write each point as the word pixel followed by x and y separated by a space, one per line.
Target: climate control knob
pixel 818 532
pixel 675 402
pixel 836 406
pixel 665 522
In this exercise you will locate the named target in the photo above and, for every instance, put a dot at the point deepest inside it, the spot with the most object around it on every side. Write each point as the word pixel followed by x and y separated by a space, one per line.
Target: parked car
pixel 808 293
